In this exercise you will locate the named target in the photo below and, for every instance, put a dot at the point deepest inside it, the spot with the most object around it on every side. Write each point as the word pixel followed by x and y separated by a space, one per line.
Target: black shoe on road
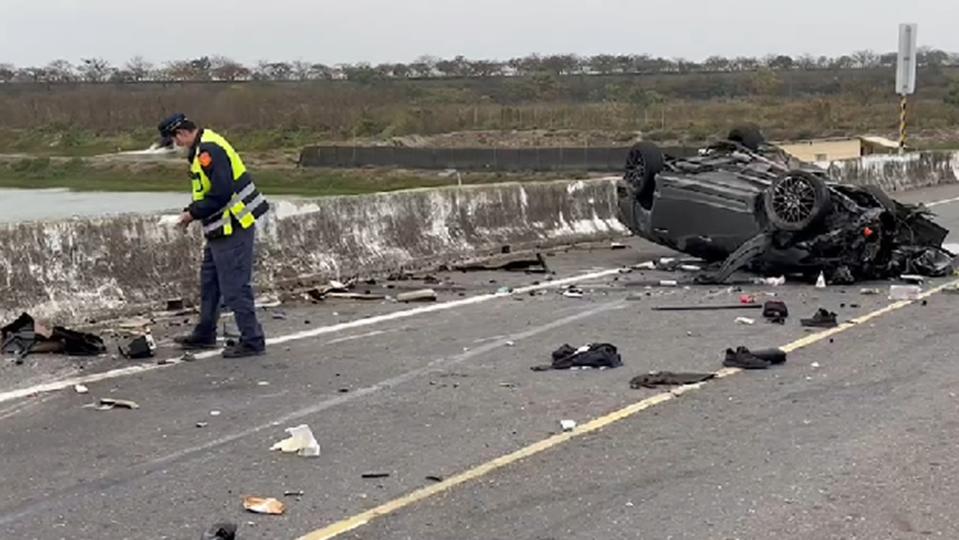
pixel 192 342
pixel 241 350
pixel 743 359
pixel 822 319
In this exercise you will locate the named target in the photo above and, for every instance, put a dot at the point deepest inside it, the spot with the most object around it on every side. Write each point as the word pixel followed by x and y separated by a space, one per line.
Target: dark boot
pixel 241 350
pixel 193 342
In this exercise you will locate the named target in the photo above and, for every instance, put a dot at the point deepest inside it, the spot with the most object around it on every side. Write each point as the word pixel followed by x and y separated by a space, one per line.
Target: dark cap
pixel 169 126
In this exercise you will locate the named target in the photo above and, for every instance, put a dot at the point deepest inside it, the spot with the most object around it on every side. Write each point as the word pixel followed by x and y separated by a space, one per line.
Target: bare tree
pixel 321 72
pixel 300 70
pixel 178 70
pixel 95 69
pixel 865 59
pixel 138 68
pixel 7 72
pixel 60 71
pixel 225 69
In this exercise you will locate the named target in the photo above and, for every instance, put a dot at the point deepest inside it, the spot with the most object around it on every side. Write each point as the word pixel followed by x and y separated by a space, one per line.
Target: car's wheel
pixel 796 200
pixel 747 135
pixel 643 162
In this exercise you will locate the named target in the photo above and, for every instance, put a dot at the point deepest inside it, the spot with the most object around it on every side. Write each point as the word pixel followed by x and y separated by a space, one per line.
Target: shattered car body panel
pixel 758 209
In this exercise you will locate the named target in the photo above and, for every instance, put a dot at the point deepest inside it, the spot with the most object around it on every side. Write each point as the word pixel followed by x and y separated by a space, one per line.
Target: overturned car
pixel 744 204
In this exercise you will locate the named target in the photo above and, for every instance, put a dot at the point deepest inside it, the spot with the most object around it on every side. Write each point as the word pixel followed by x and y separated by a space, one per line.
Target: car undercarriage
pixel 745 205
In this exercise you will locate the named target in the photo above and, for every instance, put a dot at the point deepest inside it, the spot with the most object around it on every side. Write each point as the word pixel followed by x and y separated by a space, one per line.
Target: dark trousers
pixel 227 274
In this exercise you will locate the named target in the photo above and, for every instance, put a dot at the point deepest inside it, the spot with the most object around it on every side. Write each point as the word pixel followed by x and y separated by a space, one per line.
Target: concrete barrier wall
pixel 898 173
pixel 591 158
pixel 70 270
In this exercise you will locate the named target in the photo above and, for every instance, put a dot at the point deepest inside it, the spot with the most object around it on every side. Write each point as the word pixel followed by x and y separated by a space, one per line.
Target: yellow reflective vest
pixel 246 204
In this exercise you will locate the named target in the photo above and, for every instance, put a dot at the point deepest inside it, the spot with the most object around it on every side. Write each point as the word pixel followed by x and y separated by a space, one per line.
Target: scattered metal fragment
pixel 202 424
pixel 434 478
pixel 278 315
pixel 109 403
pixel 294 493
pixel 375 475
pixel 423 295
pixel 869 292
pixel 745 320
pixel 80 389
pixel 567 425
pixel 617 246
pixel 260 505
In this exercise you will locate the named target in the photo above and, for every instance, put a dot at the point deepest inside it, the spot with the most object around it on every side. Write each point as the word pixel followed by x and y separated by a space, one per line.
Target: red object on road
pixel 747 299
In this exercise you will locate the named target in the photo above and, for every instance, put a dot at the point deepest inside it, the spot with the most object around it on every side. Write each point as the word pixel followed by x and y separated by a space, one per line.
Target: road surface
pixel 852 438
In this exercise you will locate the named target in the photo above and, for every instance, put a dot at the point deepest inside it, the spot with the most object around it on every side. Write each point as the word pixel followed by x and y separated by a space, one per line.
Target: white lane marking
pixel 944 201
pixel 314 332
pixel 139 471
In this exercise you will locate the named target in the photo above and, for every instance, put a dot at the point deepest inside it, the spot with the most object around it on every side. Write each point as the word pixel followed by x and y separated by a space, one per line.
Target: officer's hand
pixel 185 219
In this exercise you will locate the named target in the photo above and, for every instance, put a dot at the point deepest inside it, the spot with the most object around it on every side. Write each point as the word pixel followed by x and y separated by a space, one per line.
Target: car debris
pixel 593 355
pixel 742 204
pixel 869 292
pixel 567 425
pixel 821 319
pixel 26 336
pixel 655 379
pixel 202 424
pixel 904 292
pixel 422 295
pixel 648 265
pixel 743 358
pixel 261 505
pixel 434 478
pixel 913 279
pixel 745 320
pixel 573 292
pixel 369 475
pixel 220 531
pixel 617 246
pixel 294 493
pixel 301 442
pixel 140 347
pixel 106 404
pixel 174 304
pixel 775 311
pixel 278 315
pixel 81 389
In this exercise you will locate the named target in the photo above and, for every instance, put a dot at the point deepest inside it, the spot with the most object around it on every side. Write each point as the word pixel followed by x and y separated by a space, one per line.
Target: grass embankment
pixel 89 175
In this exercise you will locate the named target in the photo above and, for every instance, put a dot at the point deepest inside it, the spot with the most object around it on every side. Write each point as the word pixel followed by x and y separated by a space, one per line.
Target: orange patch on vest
pixel 206 160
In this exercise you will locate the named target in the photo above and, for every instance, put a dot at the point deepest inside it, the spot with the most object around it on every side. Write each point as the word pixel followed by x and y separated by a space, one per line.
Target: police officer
pixel 227 205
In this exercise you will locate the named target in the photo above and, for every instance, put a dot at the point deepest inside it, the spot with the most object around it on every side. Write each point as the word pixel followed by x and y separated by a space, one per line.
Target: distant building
pixel 835 149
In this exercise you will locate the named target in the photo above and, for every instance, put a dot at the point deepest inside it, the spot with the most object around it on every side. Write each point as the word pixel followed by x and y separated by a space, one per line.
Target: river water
pixel 17 205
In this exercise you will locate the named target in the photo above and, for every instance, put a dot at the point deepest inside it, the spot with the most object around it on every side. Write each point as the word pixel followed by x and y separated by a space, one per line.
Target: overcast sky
pixel 33 32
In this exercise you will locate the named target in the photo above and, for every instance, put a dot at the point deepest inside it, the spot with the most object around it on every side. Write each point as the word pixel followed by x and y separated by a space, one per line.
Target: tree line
pixel 221 68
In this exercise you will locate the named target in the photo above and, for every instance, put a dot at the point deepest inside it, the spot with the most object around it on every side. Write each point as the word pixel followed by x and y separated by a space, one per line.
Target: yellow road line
pixel 354 522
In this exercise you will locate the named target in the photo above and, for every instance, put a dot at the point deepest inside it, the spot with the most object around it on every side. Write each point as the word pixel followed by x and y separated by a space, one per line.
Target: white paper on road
pixel 301 441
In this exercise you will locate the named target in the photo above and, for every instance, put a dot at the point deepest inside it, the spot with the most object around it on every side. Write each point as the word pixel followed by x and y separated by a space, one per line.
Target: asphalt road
pixel 852 438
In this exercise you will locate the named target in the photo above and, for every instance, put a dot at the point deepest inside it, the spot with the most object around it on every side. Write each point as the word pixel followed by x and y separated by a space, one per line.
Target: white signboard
pixel 906 63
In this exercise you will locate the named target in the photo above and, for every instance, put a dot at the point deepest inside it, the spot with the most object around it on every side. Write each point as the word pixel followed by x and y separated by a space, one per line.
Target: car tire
pixel 796 201
pixel 643 162
pixel 747 135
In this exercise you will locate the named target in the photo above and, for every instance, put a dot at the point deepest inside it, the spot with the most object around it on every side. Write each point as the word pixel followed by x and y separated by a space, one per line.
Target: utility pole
pixel 905 75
